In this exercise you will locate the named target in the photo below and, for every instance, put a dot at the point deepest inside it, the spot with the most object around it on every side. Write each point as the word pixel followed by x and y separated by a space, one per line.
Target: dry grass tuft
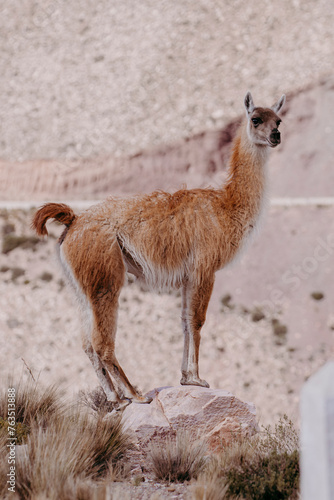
pixel 261 468
pixel 67 453
pixel 97 401
pixel 32 404
pixel 177 459
pixel 76 446
pixel 213 488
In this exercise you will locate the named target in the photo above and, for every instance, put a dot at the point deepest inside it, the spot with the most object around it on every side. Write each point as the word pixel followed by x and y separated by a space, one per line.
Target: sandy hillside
pixel 81 79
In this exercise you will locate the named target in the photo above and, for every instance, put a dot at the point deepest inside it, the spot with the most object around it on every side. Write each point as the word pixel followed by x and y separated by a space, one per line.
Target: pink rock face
pixel 213 414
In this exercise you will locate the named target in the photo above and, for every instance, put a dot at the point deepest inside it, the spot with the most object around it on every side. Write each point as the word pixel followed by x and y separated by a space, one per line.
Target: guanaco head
pixel 263 123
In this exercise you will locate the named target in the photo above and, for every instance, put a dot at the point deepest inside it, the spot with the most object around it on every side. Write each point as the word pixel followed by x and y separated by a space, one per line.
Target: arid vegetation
pixel 179 459
pixel 64 450
pixel 70 451
pixel 265 467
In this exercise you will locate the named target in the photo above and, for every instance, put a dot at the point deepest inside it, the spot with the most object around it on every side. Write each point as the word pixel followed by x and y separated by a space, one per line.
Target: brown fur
pixel 58 211
pixel 169 241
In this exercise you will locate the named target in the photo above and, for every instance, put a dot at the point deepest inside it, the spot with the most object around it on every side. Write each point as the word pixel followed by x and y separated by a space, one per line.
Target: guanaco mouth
pixel 273 144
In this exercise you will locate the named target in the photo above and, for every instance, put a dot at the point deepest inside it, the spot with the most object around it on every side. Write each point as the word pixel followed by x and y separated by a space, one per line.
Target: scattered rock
pixel 213 414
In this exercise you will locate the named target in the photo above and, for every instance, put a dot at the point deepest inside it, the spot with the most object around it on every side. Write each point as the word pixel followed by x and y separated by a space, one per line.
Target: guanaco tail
pixel 169 241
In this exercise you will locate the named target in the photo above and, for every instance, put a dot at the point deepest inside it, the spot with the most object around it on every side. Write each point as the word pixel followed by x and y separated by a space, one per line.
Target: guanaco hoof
pixel 123 403
pixel 193 381
pixel 142 399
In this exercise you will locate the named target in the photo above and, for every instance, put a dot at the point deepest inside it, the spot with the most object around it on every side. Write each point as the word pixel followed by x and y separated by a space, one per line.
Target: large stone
pixel 213 414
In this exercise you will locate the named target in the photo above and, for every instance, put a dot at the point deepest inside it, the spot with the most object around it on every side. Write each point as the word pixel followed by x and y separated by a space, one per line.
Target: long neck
pixel 245 187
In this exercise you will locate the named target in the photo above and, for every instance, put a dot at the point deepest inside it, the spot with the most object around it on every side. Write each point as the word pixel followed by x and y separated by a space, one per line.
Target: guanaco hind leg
pixel 98 273
pixel 105 309
pixel 195 300
pixel 103 376
pixel 103 342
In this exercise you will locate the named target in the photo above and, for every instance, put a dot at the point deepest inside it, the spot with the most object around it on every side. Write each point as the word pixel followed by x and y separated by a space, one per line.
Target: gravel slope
pixel 86 78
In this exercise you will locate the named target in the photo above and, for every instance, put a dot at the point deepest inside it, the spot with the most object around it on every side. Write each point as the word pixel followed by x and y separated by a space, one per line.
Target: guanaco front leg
pixel 195 300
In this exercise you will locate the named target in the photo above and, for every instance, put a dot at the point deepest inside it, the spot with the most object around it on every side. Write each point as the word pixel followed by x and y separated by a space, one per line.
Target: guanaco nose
pixel 275 136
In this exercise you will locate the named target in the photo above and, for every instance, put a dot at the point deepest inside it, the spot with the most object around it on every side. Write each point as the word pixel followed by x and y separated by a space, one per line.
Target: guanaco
pixel 169 241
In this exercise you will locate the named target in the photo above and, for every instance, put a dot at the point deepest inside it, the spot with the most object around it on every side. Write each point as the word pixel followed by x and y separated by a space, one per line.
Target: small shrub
pixel 12 241
pixel 8 228
pixel 177 459
pixel 274 476
pixel 17 272
pixel 261 468
pixel 317 295
pixel 46 276
pixel 284 438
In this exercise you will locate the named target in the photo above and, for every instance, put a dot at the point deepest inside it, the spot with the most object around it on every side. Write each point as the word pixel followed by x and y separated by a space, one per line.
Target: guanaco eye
pixel 278 123
pixel 256 121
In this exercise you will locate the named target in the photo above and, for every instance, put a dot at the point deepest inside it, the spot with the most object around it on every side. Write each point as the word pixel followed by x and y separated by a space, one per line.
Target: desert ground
pixel 91 96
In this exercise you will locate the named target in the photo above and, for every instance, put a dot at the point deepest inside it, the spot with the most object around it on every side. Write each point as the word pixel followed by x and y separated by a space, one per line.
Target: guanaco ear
pixel 276 107
pixel 249 105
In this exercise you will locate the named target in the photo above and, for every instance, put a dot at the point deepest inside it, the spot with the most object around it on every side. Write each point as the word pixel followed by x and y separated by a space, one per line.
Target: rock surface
pixel 213 414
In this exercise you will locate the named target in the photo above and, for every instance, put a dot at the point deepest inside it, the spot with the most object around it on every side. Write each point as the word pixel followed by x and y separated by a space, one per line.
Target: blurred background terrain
pixel 101 98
